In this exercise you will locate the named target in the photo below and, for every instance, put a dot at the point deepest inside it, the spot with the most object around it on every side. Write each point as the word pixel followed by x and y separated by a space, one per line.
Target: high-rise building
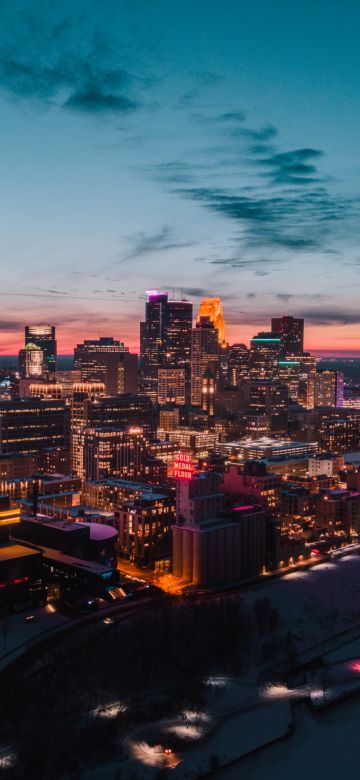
pixel 123 411
pixel 31 362
pixel 171 386
pixel 205 351
pixel 165 339
pixel 272 399
pixel 212 308
pixel 113 452
pixel 265 351
pixel 291 331
pixel 29 424
pixel 108 361
pixel 83 394
pixel 43 336
pixel 329 388
pixel 208 387
pixel 238 363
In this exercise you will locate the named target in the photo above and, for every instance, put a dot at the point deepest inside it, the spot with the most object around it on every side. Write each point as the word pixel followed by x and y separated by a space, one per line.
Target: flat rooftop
pixel 10 552
pixel 90 566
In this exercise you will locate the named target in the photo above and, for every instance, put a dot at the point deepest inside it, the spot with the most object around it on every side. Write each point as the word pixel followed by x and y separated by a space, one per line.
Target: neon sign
pixel 183 467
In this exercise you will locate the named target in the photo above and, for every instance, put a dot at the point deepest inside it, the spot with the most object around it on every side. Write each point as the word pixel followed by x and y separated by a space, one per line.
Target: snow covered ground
pixel 324 745
pixel 316 603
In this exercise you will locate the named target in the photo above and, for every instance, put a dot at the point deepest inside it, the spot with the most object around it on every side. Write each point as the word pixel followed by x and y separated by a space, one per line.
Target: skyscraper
pixel 113 452
pixel 83 394
pixel 165 339
pixel 329 388
pixel 264 356
pixel 205 352
pixel 108 361
pixel 291 331
pixel 31 362
pixel 43 336
pixel 212 308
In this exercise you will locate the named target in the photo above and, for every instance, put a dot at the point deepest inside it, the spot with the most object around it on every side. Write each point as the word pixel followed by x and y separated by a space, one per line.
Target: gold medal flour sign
pixel 183 467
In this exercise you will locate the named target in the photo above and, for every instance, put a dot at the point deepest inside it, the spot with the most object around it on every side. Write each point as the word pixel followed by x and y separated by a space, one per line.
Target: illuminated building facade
pixel 208 387
pixel 199 443
pixel 237 363
pixel 27 425
pixel 31 362
pixel 265 351
pixel 205 353
pixel 252 479
pixel 111 452
pixel 339 434
pixel 144 527
pixel 83 395
pixel 271 399
pixel 123 411
pixel 169 419
pixel 212 308
pixel 171 386
pixel 266 448
pixel 291 331
pixel 108 361
pixel 338 511
pixel 44 336
pixel 329 388
pixel 165 339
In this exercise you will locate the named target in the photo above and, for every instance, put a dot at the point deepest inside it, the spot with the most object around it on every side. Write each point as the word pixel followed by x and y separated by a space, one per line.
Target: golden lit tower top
pixel 212 308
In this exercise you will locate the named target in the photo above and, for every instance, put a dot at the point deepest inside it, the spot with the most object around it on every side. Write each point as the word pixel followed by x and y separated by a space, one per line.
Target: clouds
pixel 296 167
pixel 55 55
pixel 332 316
pixel 163 240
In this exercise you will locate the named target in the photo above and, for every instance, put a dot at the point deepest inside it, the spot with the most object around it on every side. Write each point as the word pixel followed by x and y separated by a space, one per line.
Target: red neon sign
pixel 183 467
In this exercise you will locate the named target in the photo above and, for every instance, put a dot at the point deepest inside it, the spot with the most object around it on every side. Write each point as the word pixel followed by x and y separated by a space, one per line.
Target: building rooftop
pixel 12 551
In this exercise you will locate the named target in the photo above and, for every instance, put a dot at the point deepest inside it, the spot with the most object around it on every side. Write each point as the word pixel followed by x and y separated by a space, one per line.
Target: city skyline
pixel 161 147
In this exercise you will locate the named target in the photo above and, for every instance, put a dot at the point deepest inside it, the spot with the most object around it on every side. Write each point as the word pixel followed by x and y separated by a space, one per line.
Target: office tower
pixel 31 362
pixel 83 394
pixel 307 376
pixel 208 387
pixel 291 331
pixel 171 386
pixel 123 411
pixel 169 418
pixel 27 425
pixel 43 336
pixel 238 363
pixel 212 308
pixel 264 356
pixel 289 373
pixel 205 352
pixel 270 398
pixel 113 452
pixel 108 361
pixel 329 388
pixel 339 434
pixel 165 340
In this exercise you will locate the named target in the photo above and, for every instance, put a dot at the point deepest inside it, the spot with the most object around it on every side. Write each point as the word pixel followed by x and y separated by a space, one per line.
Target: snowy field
pixel 316 603
pixel 324 745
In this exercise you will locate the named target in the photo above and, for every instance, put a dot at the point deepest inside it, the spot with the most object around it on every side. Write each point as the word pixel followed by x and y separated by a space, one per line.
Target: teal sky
pixel 203 146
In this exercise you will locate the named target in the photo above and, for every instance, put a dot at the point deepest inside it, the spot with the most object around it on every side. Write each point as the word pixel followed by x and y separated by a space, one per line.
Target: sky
pixel 204 147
